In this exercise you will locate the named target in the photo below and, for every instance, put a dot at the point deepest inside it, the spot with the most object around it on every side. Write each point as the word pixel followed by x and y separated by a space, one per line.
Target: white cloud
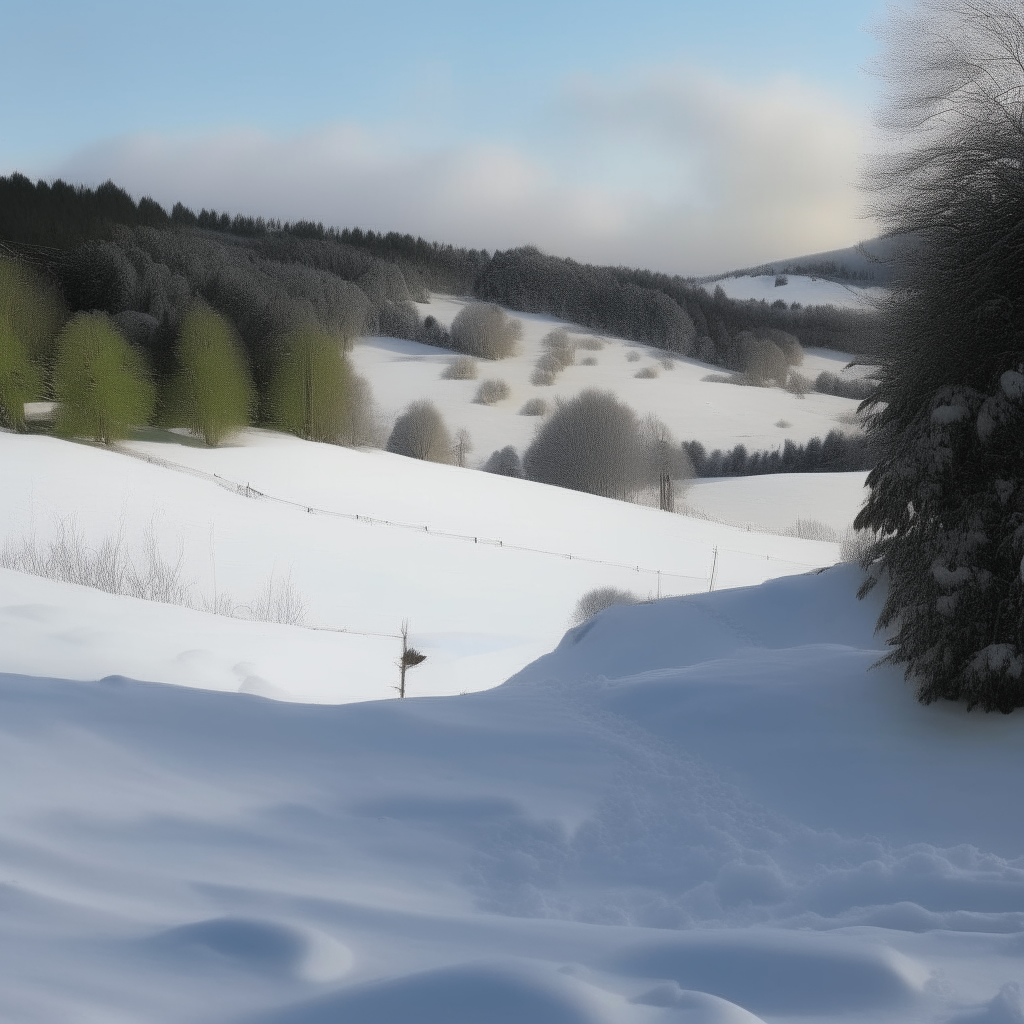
pixel 677 170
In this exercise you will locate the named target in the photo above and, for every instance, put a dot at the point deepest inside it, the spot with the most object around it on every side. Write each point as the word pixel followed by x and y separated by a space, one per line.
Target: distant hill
pixel 865 264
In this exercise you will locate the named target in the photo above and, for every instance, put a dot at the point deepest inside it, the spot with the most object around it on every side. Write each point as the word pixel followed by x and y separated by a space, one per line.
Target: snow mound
pixel 497 993
pixel 260 947
pixel 772 973
pixel 695 1007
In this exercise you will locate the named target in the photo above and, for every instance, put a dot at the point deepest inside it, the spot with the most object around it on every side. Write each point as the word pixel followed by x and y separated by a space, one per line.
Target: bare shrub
pixel 855 544
pixel 504 462
pixel 143 573
pixel 647 373
pixel 279 602
pixel 724 378
pixel 632 357
pixel 462 446
pixel 799 385
pixel 485 330
pixel 783 423
pixel 597 600
pixel 543 376
pixel 420 433
pixel 461 368
pixel 590 344
pixel 588 361
pixel 491 391
pixel 534 407
pixel 668 364
pixel 812 529
pixel 109 566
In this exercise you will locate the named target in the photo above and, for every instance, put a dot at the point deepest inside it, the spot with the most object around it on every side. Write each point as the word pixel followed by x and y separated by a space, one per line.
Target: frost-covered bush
pixel 764 363
pixel 588 361
pixel 832 384
pixel 461 368
pixel 647 373
pixel 597 444
pixel 632 357
pixel 596 600
pixel 534 407
pixel 504 462
pixel 420 433
pixel 543 375
pixel 433 332
pixel 799 385
pixel 485 330
pixel 491 391
pixel 590 344
pixel 559 348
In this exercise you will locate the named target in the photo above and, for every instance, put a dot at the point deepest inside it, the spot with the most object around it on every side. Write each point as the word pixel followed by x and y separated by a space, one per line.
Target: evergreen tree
pixel 212 392
pixel 312 386
pixel 100 381
pixel 947 496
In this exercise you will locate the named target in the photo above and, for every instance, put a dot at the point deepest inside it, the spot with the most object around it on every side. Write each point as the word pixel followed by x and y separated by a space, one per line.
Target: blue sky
pixel 684 136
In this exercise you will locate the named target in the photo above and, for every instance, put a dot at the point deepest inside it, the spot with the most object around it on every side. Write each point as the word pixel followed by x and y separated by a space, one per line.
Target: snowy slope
pixel 708 809
pixel 776 501
pixel 808 291
pixel 480 611
pixel 717 415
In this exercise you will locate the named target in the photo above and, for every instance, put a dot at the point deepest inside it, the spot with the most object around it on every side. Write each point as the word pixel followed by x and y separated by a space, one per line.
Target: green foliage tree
pixel 312 386
pixel 100 381
pixel 212 392
pixel 947 495
pixel 30 316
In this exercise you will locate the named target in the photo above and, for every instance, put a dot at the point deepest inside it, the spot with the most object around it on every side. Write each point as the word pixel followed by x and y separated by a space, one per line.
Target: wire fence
pixel 247 491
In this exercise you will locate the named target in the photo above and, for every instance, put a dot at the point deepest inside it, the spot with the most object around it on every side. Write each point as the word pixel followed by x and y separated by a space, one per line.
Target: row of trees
pixel 836 453
pixel 104 387
pixel 109 253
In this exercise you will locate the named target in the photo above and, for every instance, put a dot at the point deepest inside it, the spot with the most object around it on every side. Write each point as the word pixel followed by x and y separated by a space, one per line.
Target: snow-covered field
pixel 480 610
pixel 703 809
pixel 808 291
pixel 699 810
pixel 717 415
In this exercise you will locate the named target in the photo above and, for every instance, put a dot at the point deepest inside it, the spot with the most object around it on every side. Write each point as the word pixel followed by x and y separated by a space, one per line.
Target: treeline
pixel 837 453
pixel 87 238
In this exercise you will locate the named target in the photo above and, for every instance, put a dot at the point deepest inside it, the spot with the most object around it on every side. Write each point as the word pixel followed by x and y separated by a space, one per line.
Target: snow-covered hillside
pixel 478 563
pixel 717 415
pixel 708 809
pixel 808 291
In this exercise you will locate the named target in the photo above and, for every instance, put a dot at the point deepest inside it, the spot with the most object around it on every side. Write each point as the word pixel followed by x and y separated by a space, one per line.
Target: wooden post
pixel 410 658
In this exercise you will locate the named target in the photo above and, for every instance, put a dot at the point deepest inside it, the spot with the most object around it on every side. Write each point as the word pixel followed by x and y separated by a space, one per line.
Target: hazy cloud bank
pixel 678 170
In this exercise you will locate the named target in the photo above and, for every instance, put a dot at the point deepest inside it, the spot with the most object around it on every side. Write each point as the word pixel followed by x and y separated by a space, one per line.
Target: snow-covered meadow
pixel 717 415
pixel 706 808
